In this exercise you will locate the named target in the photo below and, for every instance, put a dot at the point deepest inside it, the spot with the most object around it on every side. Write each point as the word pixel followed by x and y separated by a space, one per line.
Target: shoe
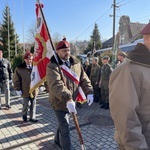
pixel 24 117
pixel 58 144
pixel 106 106
pixel 103 105
pixel 33 120
pixel 8 107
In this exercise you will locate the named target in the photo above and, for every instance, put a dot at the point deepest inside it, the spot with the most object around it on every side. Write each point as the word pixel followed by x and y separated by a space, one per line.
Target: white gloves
pixel 90 99
pixel 19 93
pixel 71 107
pixel 41 89
pixel 10 81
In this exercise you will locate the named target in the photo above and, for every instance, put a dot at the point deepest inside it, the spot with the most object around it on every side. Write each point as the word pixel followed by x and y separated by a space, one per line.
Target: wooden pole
pixel 78 131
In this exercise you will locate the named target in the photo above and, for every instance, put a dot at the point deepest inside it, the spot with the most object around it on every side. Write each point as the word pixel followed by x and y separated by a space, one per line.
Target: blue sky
pixel 75 18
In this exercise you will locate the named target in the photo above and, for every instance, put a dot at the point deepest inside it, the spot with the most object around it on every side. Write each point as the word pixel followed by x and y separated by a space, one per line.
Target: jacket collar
pixel 23 65
pixel 140 54
pixel 73 60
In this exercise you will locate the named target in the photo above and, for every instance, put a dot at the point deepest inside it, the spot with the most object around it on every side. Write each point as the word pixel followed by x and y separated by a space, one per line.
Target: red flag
pixel 43 51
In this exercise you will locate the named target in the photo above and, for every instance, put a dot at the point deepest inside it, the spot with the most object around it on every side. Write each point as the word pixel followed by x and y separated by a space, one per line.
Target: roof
pixel 136 28
pixel 108 43
pixel 135 31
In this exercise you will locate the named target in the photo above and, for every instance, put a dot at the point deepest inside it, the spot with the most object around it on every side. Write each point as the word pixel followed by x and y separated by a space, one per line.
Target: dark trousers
pixel 97 93
pixel 62 135
pixel 105 94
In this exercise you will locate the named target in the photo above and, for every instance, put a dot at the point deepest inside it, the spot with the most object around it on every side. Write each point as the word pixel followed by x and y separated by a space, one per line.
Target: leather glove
pixel 90 99
pixel 71 107
pixel 19 93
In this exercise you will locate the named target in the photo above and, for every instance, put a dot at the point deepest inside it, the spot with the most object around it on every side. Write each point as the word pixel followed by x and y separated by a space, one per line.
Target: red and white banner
pixel 43 51
pixel 70 74
pixel 81 98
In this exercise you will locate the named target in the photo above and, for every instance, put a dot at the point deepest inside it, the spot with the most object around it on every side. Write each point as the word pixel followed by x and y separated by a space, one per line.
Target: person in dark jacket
pixel 87 67
pixel 63 90
pixel 21 80
pixel 5 79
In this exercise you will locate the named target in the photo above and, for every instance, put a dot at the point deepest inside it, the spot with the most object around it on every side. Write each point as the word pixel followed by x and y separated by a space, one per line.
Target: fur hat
pixel 63 44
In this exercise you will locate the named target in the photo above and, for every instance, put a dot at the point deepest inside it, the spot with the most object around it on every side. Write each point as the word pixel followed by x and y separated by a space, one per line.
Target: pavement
pixel 96 127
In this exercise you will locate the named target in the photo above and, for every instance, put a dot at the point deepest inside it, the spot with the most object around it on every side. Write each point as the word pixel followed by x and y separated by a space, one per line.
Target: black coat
pixel 5 70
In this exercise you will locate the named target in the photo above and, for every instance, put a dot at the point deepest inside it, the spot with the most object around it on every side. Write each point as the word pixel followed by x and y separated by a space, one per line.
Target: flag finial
pixel 64 37
pixel 38 1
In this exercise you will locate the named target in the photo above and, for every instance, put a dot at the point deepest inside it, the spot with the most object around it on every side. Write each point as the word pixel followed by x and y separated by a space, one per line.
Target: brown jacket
pixel 22 79
pixel 130 100
pixel 59 94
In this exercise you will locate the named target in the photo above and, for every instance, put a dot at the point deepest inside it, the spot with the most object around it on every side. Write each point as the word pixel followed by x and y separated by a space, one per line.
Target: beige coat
pixel 59 94
pixel 130 100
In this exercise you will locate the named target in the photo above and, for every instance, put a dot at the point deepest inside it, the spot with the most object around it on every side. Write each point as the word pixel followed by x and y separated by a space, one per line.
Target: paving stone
pixel 26 135
pixel 5 145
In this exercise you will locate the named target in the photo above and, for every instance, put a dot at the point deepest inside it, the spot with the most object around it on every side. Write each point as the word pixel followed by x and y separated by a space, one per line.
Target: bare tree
pixel 30 38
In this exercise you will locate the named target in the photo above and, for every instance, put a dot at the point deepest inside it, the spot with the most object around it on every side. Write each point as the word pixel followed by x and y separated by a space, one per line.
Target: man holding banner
pixel 67 82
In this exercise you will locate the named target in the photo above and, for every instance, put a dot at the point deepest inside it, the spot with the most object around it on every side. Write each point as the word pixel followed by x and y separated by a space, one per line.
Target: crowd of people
pixel 125 90
pixel 99 77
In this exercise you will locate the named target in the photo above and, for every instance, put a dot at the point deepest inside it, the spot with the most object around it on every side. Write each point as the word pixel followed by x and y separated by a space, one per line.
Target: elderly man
pixel 130 97
pixel 5 79
pixel 21 80
pixel 63 90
